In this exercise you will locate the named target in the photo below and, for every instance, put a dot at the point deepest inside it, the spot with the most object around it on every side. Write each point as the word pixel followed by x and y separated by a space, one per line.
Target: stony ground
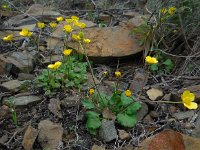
pixel 58 122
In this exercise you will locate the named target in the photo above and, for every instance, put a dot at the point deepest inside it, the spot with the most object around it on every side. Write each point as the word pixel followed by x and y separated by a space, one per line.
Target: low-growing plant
pixel 70 74
pixel 120 106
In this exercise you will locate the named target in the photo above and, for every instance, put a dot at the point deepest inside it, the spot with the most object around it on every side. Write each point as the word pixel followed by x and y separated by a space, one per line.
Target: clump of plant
pixel 121 107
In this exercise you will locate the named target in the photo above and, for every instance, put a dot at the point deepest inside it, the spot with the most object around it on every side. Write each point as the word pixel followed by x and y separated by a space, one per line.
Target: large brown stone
pixel 165 140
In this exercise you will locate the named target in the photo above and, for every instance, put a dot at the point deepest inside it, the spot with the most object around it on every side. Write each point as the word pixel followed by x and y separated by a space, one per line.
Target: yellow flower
pixel 128 93
pixel 86 41
pixel 59 19
pixel 163 10
pixel 151 60
pixel 171 10
pixel 67 52
pixel 74 18
pixel 25 32
pixel 67 28
pixel 69 20
pixel 76 23
pixel 76 37
pixel 51 66
pixel 105 73
pixel 53 24
pixel 117 74
pixel 91 91
pixel 40 25
pixel 187 99
pixel 57 64
pixel 8 38
pixel 82 25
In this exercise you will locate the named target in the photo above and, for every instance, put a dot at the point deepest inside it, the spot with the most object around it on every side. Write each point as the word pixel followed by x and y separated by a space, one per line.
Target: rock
pixel 52 59
pixel 3 139
pixel 35 11
pixel 23 100
pixel 105 18
pixel 90 80
pixel 147 118
pixel 154 94
pixel 191 143
pixel 123 135
pixel 107 114
pixel 142 111
pixel 165 140
pixel 107 131
pixel 71 100
pixel 172 109
pixel 126 147
pixel 96 147
pixel 139 81
pixel 25 76
pixel 4 110
pixel 167 97
pixel 12 85
pixel 54 107
pixel 110 42
pixel 154 114
pixel 29 137
pixel 196 131
pixel 130 14
pixel 26 61
pixel 184 115
pixel 194 89
pixel 7 65
pixel 50 134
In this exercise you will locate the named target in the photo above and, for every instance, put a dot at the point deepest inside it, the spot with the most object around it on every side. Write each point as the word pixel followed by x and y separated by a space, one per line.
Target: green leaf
pixel 88 104
pixel 93 122
pixel 154 67
pixel 126 120
pixel 168 62
pixel 132 109
pixel 125 100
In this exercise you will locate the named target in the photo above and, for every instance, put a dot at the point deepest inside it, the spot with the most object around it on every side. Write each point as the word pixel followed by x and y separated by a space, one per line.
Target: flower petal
pixel 191 105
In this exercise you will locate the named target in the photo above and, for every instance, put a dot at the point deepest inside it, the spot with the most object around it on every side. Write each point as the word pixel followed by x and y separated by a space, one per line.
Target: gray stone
pixel 25 76
pixel 51 59
pixel 184 115
pixel 50 134
pixel 23 100
pixel 142 112
pixel 25 60
pixel 70 101
pixel 12 85
pixel 107 131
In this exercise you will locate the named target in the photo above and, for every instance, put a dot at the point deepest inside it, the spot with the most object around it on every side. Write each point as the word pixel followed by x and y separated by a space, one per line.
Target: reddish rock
pixel 165 140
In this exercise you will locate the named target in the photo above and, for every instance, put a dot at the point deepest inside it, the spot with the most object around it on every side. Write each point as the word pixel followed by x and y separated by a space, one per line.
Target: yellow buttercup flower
pixel 53 24
pixel 74 18
pixel 151 60
pixel 59 19
pixel 105 73
pixel 40 25
pixel 25 32
pixel 128 93
pixel 187 99
pixel 86 41
pixel 69 20
pixel 76 37
pixel 76 23
pixel 8 38
pixel 117 74
pixel 171 10
pixel 67 52
pixel 51 66
pixel 82 25
pixel 163 10
pixel 91 91
pixel 67 28
pixel 57 64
